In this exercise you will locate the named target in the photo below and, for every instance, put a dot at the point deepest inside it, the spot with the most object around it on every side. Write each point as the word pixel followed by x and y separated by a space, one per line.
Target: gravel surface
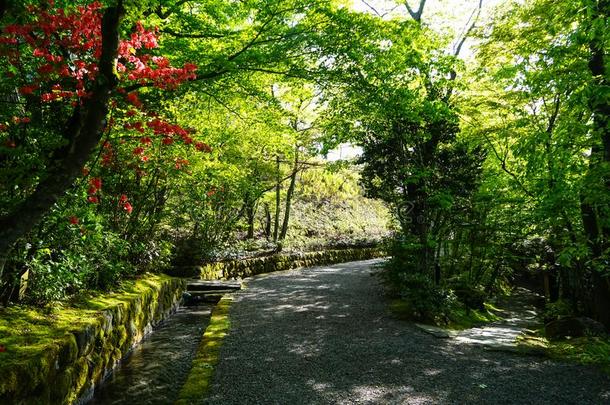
pixel 323 336
pixel 518 313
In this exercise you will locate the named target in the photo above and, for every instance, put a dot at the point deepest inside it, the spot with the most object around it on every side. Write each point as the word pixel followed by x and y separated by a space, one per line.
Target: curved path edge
pixel 323 335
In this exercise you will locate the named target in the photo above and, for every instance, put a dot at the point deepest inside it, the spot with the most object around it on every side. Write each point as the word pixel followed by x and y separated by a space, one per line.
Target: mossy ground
pixel 459 317
pixel 199 379
pixel 584 350
pixel 463 318
pixel 26 332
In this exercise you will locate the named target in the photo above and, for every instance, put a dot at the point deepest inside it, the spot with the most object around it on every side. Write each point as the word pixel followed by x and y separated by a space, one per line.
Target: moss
pixel 250 267
pixel 69 350
pixel 401 309
pixel 463 318
pixel 459 317
pixel 81 372
pixel 200 376
pixel 62 386
pixel 593 351
pixel 39 341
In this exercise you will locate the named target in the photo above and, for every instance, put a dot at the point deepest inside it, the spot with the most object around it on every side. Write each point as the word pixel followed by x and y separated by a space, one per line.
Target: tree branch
pixel 195 36
pixel 470 24
pixel 416 15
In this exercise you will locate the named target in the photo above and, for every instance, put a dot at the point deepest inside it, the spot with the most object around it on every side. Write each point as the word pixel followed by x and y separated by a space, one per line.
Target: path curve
pixel 323 336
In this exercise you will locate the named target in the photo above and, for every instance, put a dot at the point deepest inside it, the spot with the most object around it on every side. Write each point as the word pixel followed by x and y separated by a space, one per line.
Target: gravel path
pixel 519 312
pixel 322 336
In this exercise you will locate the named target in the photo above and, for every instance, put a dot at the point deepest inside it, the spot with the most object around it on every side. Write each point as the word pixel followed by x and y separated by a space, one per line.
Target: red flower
pixel 45 69
pixel 96 182
pixel 93 199
pixel 133 99
pixel 123 199
pixel 167 141
pixel 2 349
pixel 74 220
pixel 26 120
pixel 48 97
pixel 127 207
pixel 27 89
pixel 138 151
pixel 146 140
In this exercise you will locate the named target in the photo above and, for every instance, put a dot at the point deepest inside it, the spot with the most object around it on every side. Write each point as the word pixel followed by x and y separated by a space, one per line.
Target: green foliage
pixel 557 310
pixel 492 168
pixel 592 351
pixel 426 301
pixel 471 295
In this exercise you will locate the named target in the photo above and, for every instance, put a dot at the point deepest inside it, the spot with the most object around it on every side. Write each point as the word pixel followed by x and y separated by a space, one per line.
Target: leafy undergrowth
pixel 27 331
pixel 583 350
pixel 459 317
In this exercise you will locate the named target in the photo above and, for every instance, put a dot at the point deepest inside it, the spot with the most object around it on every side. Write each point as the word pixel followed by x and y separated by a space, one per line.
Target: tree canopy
pixel 138 134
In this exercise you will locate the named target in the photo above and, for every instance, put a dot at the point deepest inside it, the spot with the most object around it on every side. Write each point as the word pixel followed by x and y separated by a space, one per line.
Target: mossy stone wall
pixel 238 269
pixel 68 370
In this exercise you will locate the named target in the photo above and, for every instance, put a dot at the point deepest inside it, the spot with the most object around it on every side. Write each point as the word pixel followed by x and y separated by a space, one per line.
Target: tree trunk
pixel 276 225
pixel 289 193
pixel 83 133
pixel 595 220
pixel 250 213
pixel 267 221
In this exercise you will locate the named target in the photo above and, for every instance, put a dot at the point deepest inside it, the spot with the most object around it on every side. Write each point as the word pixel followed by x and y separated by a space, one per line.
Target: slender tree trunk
pixel 289 193
pixel 251 214
pixel 267 221
pixel 595 219
pixel 83 133
pixel 278 185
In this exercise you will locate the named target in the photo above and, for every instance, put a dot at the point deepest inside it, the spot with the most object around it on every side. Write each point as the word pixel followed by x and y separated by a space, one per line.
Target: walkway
pixel 323 336
pixel 518 313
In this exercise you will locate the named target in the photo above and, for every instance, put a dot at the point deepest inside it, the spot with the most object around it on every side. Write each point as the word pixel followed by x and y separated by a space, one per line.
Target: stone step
pixel 204 285
pixel 196 297
pixel 209 292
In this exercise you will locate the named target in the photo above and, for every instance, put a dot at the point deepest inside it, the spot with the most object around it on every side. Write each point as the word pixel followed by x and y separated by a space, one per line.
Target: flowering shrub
pixel 106 226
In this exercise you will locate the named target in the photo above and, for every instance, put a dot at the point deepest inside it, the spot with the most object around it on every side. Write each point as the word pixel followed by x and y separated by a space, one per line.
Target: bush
pixel 557 310
pixel 425 300
pixel 471 295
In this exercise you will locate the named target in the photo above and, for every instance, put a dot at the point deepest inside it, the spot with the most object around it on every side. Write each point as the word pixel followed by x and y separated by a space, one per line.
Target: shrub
pixel 471 295
pixel 557 310
pixel 426 301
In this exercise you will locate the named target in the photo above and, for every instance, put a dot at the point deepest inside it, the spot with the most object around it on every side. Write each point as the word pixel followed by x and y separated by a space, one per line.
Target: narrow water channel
pixel 156 369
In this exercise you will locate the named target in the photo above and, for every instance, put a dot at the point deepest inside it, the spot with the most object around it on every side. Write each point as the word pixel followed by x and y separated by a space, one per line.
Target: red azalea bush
pixel 105 227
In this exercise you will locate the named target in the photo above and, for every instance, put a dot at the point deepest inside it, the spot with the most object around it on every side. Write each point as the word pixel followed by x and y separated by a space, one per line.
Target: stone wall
pixel 67 371
pixel 237 269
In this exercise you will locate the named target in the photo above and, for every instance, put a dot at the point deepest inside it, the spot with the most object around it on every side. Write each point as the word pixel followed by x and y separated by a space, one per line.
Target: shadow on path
pixel 519 312
pixel 323 336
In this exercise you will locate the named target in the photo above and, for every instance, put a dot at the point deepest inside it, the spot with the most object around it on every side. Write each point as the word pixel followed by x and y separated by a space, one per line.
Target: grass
pixel 199 379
